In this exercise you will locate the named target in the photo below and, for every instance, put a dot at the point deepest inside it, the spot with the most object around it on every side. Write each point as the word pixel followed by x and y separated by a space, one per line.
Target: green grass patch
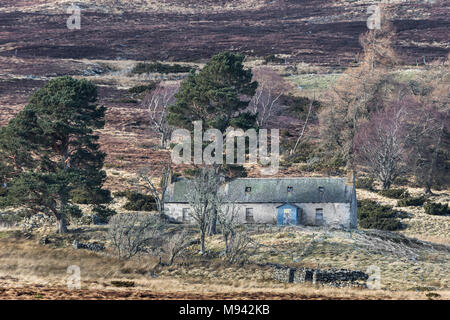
pixel 315 81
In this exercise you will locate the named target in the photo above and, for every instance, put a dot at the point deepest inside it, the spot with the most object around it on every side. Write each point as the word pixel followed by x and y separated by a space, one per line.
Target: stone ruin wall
pixel 332 277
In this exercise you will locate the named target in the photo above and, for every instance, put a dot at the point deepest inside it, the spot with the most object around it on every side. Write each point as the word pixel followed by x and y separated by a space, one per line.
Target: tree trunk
pixel 428 189
pixel 304 125
pixel 386 184
pixel 434 159
pixel 213 224
pixel 225 236
pixel 61 224
pixel 171 259
pixel 202 243
pixel 163 140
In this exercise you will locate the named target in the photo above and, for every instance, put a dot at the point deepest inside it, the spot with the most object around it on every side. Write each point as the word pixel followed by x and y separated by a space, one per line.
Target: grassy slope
pixel 408 265
pixel 37 271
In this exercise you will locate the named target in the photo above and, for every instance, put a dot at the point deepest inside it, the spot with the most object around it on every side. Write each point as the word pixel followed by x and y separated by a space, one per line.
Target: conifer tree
pixel 50 149
pixel 216 95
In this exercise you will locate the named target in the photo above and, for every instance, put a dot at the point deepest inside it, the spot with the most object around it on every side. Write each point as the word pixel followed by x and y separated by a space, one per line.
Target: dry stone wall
pixel 332 277
pixel 89 246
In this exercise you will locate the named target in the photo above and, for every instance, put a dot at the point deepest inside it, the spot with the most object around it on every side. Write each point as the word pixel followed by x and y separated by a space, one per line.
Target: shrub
pixel 10 218
pixel 299 106
pixel 157 67
pixel 395 193
pixel 149 146
pixel 327 166
pixel 411 201
pixel 103 214
pixel 372 215
pixel 401 181
pixel 381 224
pixel 232 171
pixel 71 212
pixel 285 133
pixel 122 283
pixel 120 194
pixel 138 201
pixel 272 58
pixel 191 173
pixel 176 245
pixel 365 183
pixel 85 196
pixel 3 197
pixel 132 234
pixel 127 100
pixel 142 88
pixel 436 208
pixel 305 152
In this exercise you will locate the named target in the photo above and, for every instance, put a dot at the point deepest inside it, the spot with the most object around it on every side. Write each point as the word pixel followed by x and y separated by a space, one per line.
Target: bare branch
pixel 266 100
pixel 157 103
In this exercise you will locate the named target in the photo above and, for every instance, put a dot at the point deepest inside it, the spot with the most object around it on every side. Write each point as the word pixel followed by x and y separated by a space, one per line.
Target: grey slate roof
pixel 270 190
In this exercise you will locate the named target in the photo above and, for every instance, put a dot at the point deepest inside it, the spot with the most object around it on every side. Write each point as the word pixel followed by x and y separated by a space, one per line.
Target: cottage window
pixel 185 216
pixel 248 189
pixel 249 215
pixel 321 192
pixel 319 216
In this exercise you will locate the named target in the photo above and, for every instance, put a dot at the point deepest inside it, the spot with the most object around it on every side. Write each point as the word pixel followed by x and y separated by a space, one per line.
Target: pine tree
pixel 52 150
pixel 215 95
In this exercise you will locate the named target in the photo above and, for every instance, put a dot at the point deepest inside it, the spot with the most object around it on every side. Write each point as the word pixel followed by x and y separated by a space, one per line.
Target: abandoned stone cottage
pixel 282 201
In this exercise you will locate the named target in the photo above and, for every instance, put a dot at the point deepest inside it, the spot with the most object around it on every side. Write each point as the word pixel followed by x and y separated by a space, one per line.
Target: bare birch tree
pixel 305 124
pixel 132 234
pixel 238 244
pixel 176 245
pixel 228 219
pixel 157 191
pixel 157 103
pixel 380 144
pixel 202 200
pixel 266 100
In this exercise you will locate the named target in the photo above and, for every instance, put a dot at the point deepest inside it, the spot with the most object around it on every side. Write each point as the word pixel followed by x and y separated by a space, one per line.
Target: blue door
pixel 287 214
